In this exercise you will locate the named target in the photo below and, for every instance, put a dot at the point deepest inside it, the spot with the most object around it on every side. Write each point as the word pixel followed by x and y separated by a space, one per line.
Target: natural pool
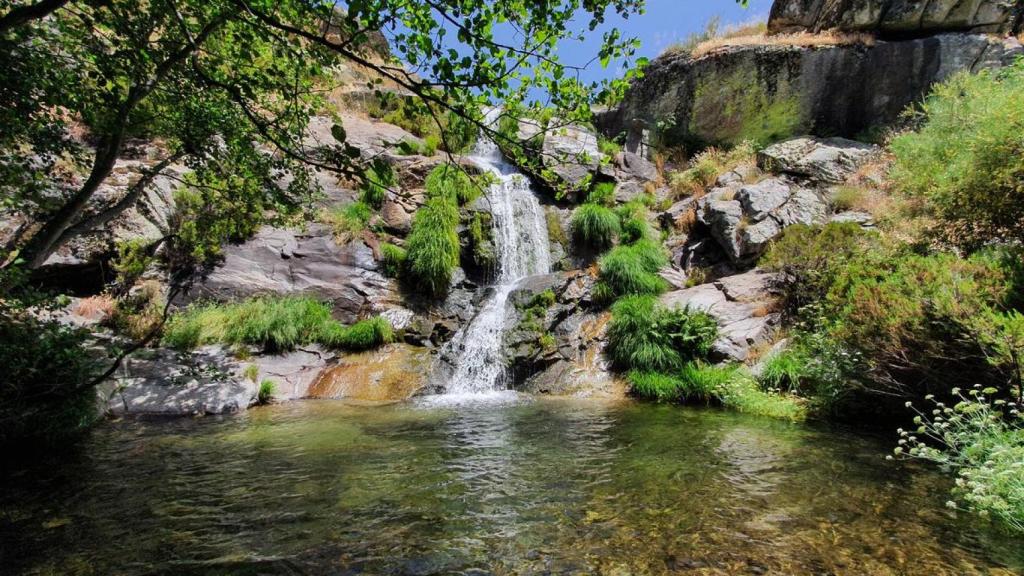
pixel 530 487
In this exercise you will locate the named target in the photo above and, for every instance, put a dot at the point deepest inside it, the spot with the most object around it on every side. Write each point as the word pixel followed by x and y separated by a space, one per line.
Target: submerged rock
pixel 392 373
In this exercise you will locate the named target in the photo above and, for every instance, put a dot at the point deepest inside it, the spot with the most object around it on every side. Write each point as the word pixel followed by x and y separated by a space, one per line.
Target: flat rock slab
pixel 741 304
pixel 393 373
pixel 167 383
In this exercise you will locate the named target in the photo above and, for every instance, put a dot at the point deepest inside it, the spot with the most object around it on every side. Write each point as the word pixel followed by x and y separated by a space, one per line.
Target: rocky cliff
pixel 830 86
pixel 898 17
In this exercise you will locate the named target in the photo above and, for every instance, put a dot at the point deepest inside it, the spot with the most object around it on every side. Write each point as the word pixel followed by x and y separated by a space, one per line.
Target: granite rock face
pixel 570 152
pixel 287 262
pixel 743 219
pixel 168 383
pixel 896 17
pixel 767 93
pixel 825 160
pixel 743 305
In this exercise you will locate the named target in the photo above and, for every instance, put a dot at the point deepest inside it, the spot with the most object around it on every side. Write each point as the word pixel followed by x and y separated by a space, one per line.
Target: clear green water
pixel 542 487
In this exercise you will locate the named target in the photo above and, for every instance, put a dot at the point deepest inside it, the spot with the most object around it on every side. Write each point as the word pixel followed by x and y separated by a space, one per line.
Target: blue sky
pixel 664 23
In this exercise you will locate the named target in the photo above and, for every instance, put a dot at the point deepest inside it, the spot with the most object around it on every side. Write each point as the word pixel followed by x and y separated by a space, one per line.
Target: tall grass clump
pixel 602 193
pixel 705 168
pixel 450 181
pixel 348 220
pixel 633 269
pixel 433 246
pixel 967 159
pixel 392 259
pixel 594 227
pixel 645 336
pixel 275 324
pixel 981 438
pixel 379 178
pixel 266 391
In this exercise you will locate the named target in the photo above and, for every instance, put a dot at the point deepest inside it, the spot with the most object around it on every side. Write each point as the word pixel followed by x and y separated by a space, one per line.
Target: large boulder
pixel 168 383
pixel 896 17
pixel 744 306
pixel 571 154
pixel 825 160
pixel 770 92
pixel 743 219
pixel 282 261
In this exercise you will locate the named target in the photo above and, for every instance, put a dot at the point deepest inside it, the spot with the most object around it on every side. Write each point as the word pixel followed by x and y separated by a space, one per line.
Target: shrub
pixel 594 227
pixel 968 157
pixel 982 439
pixel 602 193
pixel 44 397
pixel 266 391
pixel 785 370
pixel 452 182
pixel 392 259
pixel 644 336
pixel 379 178
pixel 348 220
pixel 813 257
pixel 634 269
pixel 433 246
pixel 276 324
pixel 707 166
pixel 742 393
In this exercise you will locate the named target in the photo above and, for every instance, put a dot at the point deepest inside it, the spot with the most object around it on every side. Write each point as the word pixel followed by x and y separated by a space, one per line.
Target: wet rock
pixel 743 305
pixel 390 374
pixel 280 261
pixel 825 160
pixel 292 373
pixel 164 382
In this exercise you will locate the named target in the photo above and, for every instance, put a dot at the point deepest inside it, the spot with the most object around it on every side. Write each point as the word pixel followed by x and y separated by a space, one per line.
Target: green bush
pixel 392 259
pixel 968 157
pixel 594 227
pixel 274 323
pixel 44 397
pixel 608 147
pixel 379 178
pixel 813 257
pixel 633 269
pixel 654 386
pixel 981 438
pixel 646 337
pixel 433 246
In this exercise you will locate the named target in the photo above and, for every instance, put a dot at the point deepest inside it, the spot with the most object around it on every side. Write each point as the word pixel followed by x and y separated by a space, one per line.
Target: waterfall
pixel 521 238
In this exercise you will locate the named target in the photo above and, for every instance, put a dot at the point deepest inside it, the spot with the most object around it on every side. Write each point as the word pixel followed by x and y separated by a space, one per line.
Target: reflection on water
pixel 532 487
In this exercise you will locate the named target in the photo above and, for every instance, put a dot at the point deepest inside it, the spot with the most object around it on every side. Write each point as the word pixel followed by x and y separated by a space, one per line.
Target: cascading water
pixel 521 236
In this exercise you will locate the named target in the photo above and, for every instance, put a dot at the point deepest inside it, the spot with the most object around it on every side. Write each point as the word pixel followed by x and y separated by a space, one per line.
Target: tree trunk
pixel 23 14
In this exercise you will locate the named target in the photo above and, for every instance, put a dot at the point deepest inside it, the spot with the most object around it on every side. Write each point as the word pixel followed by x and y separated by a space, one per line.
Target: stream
pixel 534 486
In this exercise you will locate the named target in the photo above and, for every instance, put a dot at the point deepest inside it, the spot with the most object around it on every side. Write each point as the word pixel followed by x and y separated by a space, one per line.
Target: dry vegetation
pixel 803 39
pixel 712 39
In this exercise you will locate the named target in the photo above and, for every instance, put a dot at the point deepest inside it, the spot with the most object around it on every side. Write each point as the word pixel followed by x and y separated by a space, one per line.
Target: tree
pixel 208 76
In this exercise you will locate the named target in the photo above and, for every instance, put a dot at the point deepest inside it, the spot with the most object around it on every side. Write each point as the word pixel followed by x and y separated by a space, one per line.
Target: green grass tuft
pixel 450 181
pixel 276 324
pixel 602 193
pixel 644 336
pixel 594 227
pixel 634 269
pixel 433 246
pixel 392 259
